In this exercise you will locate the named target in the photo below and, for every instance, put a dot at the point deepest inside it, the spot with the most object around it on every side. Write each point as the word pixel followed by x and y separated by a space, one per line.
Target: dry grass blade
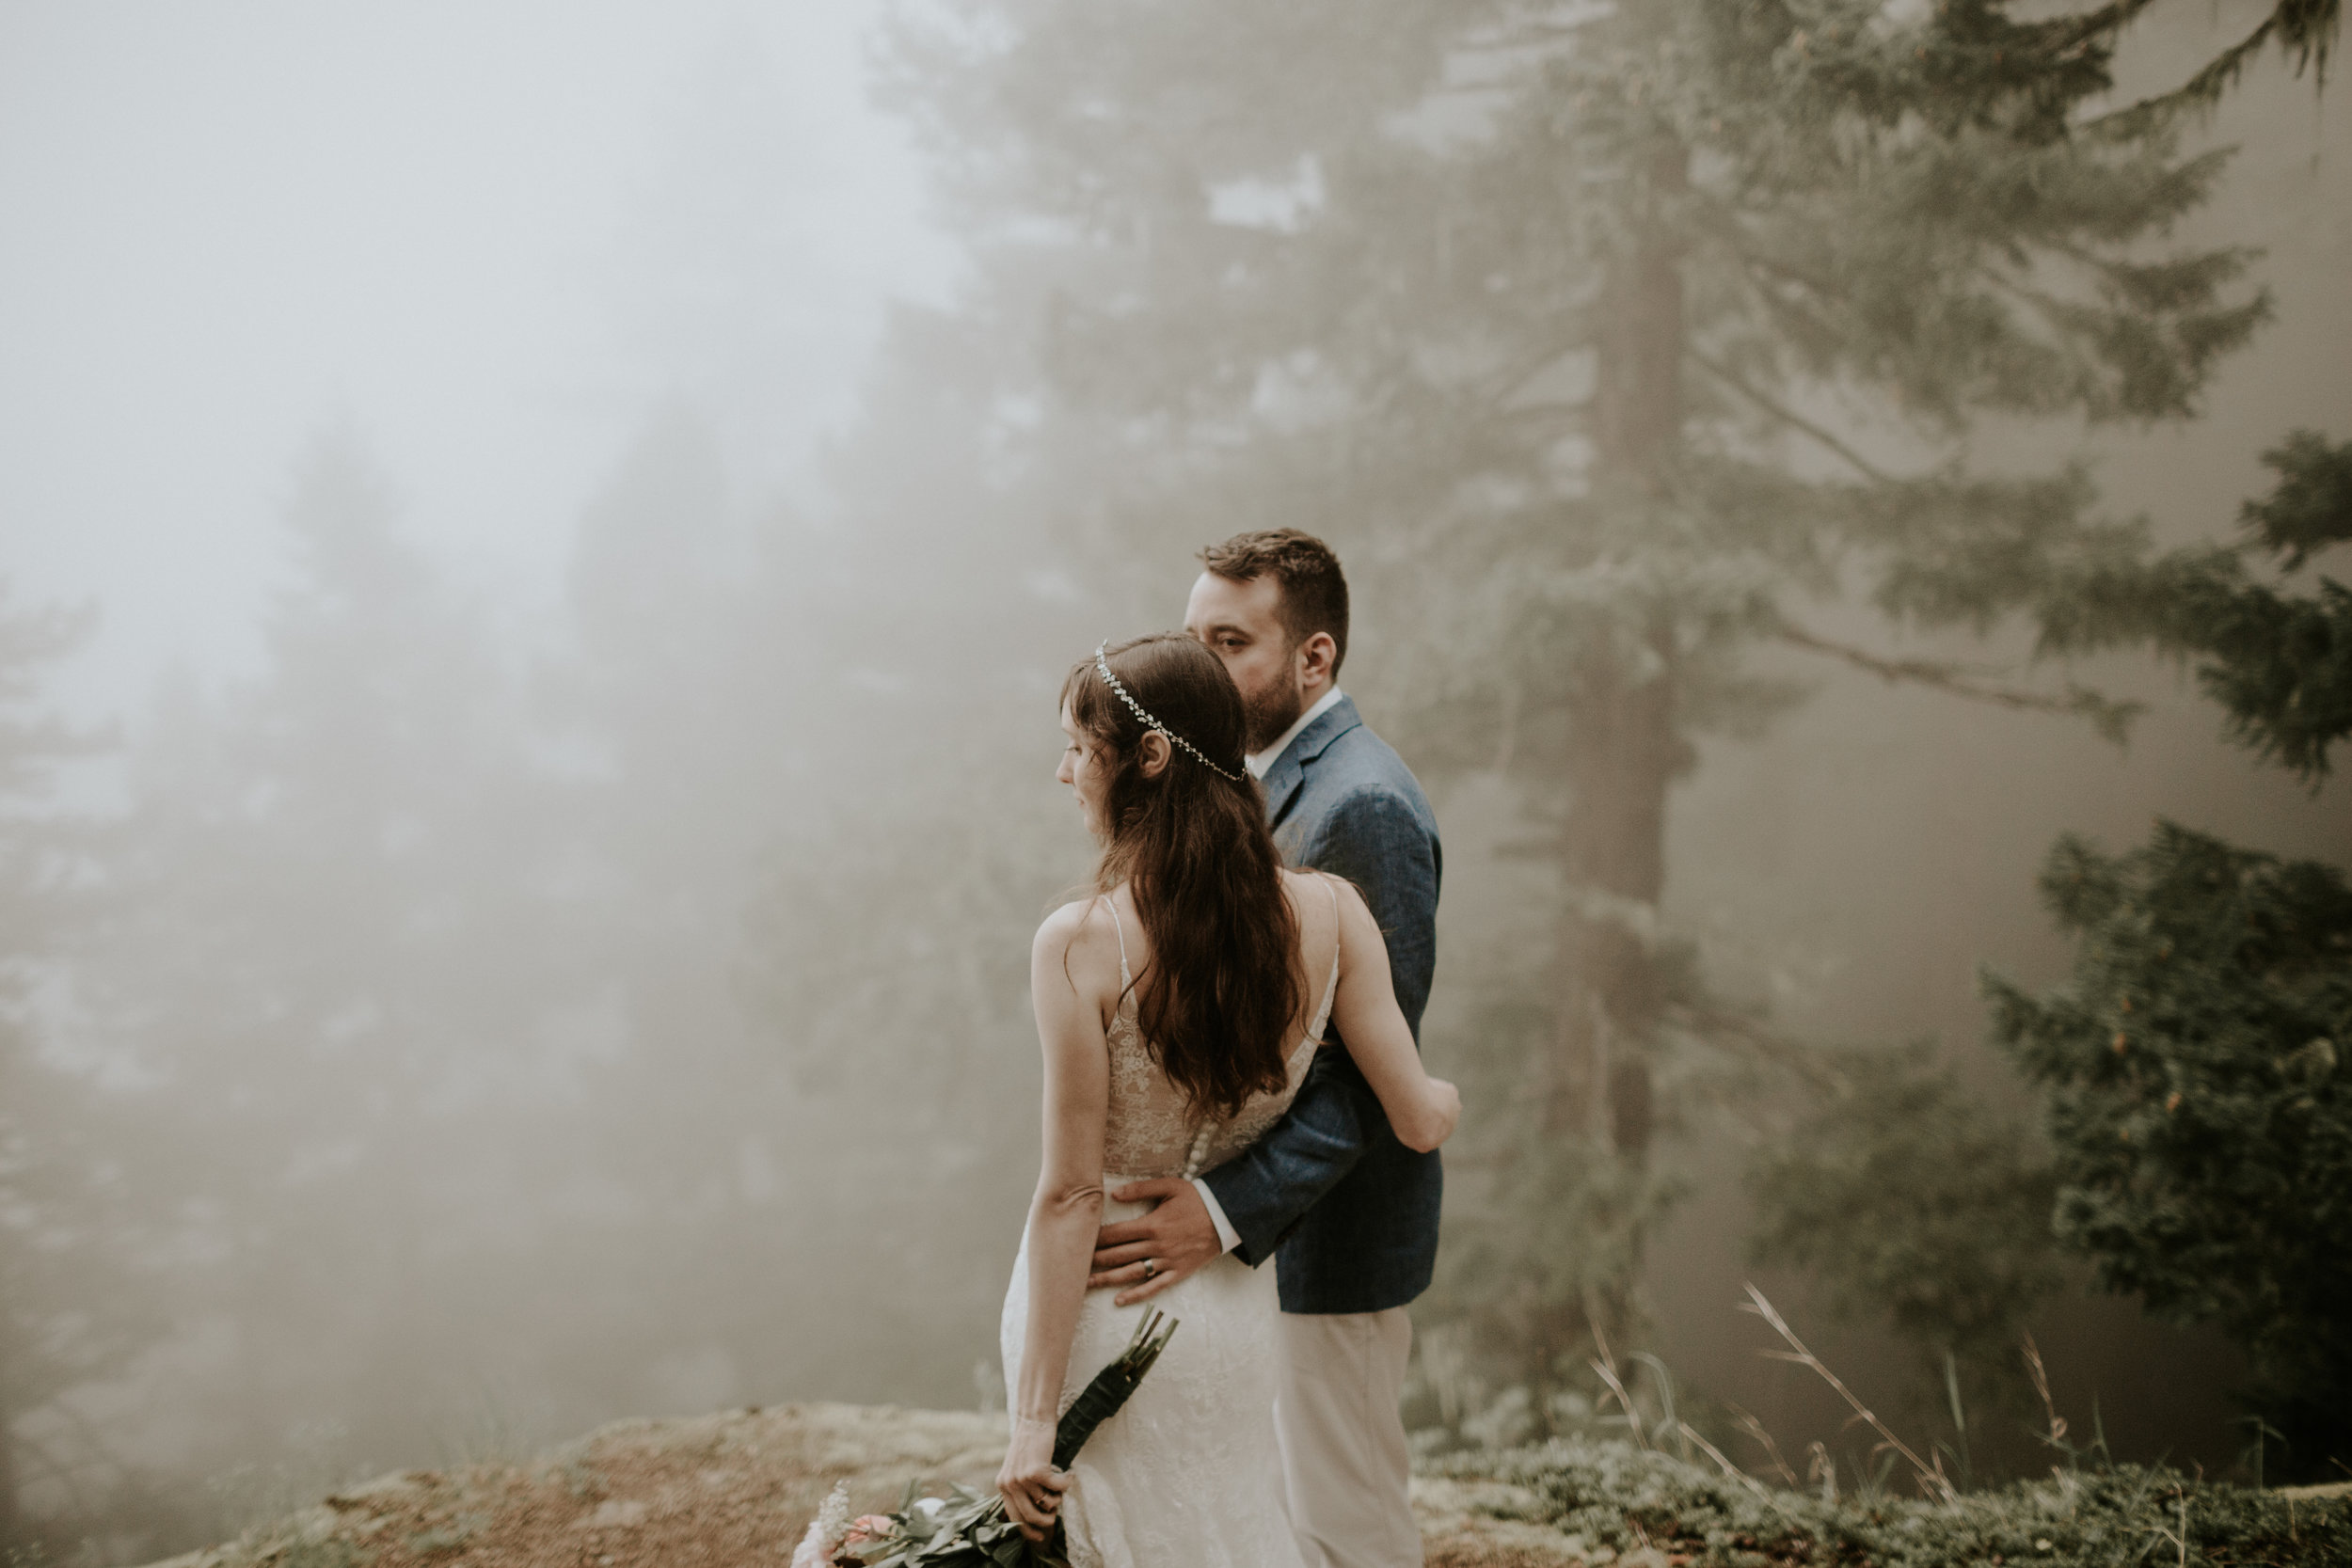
pixel 1605 1366
pixel 1632 1417
pixel 1754 1430
pixel 1931 1477
pixel 2040 1376
pixel 1731 1471
pixel 2179 1539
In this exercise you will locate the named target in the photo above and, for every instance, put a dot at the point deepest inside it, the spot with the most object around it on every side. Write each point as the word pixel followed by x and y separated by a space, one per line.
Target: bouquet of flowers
pixel 967 1529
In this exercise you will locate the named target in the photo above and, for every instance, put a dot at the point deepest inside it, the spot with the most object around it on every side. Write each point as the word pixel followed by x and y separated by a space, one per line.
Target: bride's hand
pixel 1028 1482
pixel 1447 1099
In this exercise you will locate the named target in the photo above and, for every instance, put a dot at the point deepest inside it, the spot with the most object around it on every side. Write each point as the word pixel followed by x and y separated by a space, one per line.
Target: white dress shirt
pixel 1258 763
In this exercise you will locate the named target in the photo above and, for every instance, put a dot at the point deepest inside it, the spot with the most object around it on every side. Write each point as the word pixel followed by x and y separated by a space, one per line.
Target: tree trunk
pixel 1625 746
pixel 1626 753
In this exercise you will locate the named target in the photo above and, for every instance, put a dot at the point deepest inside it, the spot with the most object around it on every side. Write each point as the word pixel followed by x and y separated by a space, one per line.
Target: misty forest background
pixel 1797 464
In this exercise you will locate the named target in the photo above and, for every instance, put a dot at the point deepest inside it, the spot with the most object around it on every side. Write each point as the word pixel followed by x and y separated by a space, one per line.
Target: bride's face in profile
pixel 1080 771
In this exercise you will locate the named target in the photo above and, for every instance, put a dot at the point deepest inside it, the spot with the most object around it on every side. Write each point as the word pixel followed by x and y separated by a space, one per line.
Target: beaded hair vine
pixel 1103 665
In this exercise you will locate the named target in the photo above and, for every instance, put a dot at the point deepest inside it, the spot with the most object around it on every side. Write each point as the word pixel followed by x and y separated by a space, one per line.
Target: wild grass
pixel 1646 1477
pixel 1615 1494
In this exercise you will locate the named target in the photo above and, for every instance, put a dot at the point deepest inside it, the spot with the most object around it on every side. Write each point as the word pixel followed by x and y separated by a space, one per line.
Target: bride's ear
pixel 1156 754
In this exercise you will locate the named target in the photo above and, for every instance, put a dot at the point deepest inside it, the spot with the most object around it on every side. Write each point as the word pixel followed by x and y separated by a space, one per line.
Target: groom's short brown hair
pixel 1314 591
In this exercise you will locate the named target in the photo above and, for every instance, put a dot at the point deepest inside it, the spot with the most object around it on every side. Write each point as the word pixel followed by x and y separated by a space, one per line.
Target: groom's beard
pixel 1265 716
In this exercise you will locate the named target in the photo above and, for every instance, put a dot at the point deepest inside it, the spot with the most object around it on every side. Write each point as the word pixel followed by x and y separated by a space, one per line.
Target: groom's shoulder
pixel 1361 774
pixel 1358 762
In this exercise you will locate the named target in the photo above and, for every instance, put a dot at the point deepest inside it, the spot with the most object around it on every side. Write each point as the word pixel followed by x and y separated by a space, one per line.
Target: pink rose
pixel 865 1527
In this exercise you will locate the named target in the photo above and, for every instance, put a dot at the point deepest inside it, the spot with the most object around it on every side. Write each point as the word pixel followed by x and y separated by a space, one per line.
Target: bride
pixel 1178 1009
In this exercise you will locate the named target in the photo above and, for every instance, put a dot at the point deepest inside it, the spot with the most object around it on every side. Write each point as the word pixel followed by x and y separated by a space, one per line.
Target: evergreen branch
pixel 2201 91
pixel 1797 276
pixel 2304 28
pixel 1719 1026
pixel 1506 383
pixel 2279 663
pixel 2059 313
pixel 2112 18
pixel 1790 417
pixel 2112 718
pixel 2311 507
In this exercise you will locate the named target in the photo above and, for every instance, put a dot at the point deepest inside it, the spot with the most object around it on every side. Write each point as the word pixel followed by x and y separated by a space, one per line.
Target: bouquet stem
pixel 973 1530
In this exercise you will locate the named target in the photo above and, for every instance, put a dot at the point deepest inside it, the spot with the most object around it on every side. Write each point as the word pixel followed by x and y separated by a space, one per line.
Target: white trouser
pixel 1345 1467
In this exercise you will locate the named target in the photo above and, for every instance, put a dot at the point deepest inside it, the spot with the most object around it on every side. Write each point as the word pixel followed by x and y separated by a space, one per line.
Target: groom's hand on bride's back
pixel 1174 1240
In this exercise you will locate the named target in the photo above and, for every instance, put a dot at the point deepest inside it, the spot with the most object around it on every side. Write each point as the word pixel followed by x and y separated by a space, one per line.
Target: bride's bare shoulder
pixel 1300 884
pixel 1082 935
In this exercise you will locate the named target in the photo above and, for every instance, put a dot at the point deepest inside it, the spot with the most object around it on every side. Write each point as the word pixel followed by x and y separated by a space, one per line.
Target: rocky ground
pixel 738 1488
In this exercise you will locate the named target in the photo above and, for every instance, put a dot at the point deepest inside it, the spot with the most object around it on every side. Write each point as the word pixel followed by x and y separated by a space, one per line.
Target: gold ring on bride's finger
pixel 1151 1268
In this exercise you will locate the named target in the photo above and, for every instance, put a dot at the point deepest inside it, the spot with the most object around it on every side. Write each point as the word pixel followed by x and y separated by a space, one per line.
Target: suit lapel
pixel 1288 776
pixel 1281 784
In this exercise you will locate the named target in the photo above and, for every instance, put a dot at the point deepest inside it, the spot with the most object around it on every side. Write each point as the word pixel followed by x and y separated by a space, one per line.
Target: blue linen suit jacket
pixel 1351 1212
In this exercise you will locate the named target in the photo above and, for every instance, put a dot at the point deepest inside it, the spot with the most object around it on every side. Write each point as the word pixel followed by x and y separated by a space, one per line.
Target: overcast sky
pixel 487 237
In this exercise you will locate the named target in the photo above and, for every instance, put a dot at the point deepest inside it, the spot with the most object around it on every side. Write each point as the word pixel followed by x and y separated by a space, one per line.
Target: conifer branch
pixel 1796 279
pixel 1718 1026
pixel 2112 718
pixel 1790 417
pixel 2112 18
pixel 2202 90
pixel 1506 383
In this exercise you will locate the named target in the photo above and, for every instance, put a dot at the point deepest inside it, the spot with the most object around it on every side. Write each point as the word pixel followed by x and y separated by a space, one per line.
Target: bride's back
pixel 1151 1129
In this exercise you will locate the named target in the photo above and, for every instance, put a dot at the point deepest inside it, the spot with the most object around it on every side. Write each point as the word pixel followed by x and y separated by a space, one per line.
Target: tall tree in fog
pixel 925 837
pixel 69 1313
pixel 1617 342
pixel 2198 1063
pixel 334 949
pixel 2190 1070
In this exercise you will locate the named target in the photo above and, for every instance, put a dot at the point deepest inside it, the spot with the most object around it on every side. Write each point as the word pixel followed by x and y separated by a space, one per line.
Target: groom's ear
pixel 1155 752
pixel 1317 656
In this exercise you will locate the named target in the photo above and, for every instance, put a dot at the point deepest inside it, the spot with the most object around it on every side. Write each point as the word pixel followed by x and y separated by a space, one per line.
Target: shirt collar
pixel 1258 762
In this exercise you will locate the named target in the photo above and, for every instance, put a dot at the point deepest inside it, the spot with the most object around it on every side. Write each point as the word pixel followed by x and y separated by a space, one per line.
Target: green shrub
pixel 2200 1072
pixel 1613 1495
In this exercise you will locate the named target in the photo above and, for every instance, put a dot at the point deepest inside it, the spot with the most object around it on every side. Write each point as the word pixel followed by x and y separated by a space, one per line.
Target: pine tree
pixel 338 950
pixel 1608 342
pixel 2200 1092
pixel 69 1315
pixel 1911 1198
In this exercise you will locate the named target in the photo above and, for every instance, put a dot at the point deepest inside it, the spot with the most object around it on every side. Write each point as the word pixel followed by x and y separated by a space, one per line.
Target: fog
pixel 571 735
pixel 489 239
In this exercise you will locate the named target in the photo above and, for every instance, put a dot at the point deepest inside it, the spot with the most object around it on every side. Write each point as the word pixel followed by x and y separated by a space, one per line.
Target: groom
pixel 1351 1212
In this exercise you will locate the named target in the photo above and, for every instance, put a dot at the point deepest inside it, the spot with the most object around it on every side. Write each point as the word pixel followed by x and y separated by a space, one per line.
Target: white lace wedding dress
pixel 1186 1475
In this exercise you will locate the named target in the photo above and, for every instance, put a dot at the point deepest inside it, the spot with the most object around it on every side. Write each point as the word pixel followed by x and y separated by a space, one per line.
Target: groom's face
pixel 1242 623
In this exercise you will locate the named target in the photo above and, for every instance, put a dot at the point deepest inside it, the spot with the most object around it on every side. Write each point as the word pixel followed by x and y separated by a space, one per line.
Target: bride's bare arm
pixel 1065 983
pixel 1422 1110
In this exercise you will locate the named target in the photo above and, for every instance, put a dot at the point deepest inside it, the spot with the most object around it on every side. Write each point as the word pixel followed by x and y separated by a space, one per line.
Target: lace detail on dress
pixel 1150 1129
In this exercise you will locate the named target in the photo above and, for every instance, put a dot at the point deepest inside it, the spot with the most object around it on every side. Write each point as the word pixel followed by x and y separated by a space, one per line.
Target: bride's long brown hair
pixel 1192 846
